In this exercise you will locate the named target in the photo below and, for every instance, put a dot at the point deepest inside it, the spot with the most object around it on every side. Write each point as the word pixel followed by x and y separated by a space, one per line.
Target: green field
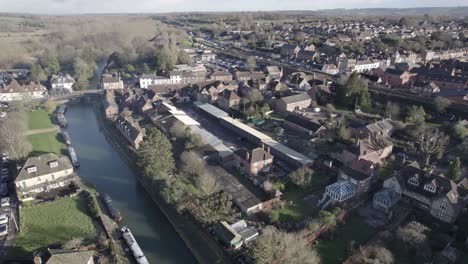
pixel 53 223
pixel 39 119
pixel 46 143
pixel 337 250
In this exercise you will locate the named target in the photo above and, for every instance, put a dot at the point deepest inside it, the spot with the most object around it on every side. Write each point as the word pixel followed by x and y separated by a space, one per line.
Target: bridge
pixel 77 95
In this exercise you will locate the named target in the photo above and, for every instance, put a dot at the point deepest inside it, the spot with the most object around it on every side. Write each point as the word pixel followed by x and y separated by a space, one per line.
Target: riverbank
pixel 201 244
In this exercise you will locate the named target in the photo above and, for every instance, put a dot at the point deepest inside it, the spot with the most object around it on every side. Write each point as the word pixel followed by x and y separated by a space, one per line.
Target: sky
pixel 159 6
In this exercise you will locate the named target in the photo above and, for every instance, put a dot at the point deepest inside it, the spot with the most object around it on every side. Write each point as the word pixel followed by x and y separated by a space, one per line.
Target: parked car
pixel 5 202
pixel 3 230
pixel 2 114
pixel 3 218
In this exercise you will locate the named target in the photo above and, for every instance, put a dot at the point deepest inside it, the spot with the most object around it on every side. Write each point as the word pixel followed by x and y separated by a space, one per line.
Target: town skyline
pixel 70 7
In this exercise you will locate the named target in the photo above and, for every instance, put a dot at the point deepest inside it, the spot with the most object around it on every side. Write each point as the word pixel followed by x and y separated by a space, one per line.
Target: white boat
pixel 133 245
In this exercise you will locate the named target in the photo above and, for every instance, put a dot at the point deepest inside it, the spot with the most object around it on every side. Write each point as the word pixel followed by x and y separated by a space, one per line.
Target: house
pixel 300 81
pixel 221 76
pixel 438 196
pixel 288 50
pixel 274 72
pixel 143 104
pixel 384 128
pixel 395 77
pixel 293 103
pixel 146 80
pixel 15 91
pixel 62 83
pixel 59 256
pixel 425 89
pixel 303 125
pixel 365 66
pixel 111 109
pixel 374 149
pixel 235 235
pixel 330 69
pixel 43 173
pixel 111 82
pixel 306 55
pixel 242 76
pixel 253 162
pixel 228 99
pixel 352 181
pixel 130 130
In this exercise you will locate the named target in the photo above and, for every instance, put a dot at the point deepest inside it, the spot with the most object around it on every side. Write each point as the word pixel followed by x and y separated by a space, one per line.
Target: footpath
pixel 42 130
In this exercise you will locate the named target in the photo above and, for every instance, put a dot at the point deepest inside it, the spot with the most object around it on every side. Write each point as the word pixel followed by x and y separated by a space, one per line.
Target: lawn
pixel 46 143
pixel 39 119
pixel 337 250
pixel 53 223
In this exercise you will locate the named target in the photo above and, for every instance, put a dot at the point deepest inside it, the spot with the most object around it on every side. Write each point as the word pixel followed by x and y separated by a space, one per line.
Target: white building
pixel 365 66
pixel 15 91
pixel 62 83
pixel 146 80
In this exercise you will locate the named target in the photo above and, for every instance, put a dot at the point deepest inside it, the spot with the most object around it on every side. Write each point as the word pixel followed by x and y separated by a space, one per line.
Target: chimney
pixel 247 156
pixel 268 149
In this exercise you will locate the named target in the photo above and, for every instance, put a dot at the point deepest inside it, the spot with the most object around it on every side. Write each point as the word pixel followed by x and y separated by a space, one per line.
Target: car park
pixel 3 230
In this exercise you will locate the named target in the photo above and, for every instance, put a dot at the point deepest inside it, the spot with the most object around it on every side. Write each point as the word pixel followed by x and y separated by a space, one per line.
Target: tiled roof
pixel 43 167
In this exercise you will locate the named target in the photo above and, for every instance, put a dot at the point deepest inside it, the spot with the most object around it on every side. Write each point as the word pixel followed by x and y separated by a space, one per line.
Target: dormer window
pixel 443 207
pixel 53 164
pixel 430 188
pixel 413 181
pixel 32 169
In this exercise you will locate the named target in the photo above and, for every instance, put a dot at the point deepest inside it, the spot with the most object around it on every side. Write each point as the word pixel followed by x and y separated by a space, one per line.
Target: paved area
pixel 43 130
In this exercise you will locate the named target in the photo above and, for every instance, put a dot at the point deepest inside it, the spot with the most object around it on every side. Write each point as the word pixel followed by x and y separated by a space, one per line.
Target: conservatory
pixel 341 191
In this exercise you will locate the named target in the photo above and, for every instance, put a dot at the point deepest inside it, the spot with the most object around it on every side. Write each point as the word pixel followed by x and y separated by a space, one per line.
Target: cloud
pixel 155 6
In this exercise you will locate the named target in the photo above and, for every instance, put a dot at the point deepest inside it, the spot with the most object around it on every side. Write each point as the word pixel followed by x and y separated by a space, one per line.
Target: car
pixel 3 230
pixel 5 202
pixel 2 114
pixel 3 218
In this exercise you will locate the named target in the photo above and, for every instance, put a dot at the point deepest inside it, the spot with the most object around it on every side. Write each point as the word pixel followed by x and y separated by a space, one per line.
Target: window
pixel 429 188
pixel 53 164
pixel 32 169
pixel 38 179
pixel 443 207
pixel 53 177
pixel 413 181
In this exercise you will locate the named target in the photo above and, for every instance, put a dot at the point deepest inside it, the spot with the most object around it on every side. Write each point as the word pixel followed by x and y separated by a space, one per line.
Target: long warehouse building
pixel 281 151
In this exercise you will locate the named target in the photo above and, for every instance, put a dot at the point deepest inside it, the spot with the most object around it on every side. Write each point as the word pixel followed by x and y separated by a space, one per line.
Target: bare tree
pixel 392 110
pixel 177 130
pixel 432 141
pixel 207 183
pixel 12 138
pixel 441 104
pixel 192 164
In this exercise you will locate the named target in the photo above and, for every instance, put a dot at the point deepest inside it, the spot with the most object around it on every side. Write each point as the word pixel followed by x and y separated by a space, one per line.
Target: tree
pixel 191 164
pixel 177 130
pixel 354 90
pixel 276 246
pixel 173 191
pixel 49 62
pixel 146 68
pixel 373 254
pixel 251 63
pixel 164 59
pixel 183 57
pixel 193 141
pixel 454 170
pixel 206 183
pixel 213 208
pixel 301 177
pixel 441 104
pixel 414 238
pixel 130 68
pixel 12 140
pixel 344 133
pixel 83 72
pixel 415 116
pixel 49 105
pixel 460 131
pixel 38 73
pixel 154 156
pixel 254 96
pixel 432 141
pixel 392 110
pixel 327 218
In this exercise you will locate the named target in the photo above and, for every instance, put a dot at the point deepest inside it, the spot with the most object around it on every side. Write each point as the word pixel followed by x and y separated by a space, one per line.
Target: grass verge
pixel 39 119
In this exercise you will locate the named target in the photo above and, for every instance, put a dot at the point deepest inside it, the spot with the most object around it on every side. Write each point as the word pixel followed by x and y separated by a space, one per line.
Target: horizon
pixel 89 7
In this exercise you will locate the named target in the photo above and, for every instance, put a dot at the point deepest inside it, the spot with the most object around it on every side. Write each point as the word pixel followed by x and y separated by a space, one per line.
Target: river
pixel 102 166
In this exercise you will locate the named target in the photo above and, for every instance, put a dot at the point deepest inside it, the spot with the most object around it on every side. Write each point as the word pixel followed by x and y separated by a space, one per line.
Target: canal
pixel 102 166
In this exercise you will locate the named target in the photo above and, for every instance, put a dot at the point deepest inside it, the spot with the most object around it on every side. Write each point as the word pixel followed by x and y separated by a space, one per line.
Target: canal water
pixel 102 166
